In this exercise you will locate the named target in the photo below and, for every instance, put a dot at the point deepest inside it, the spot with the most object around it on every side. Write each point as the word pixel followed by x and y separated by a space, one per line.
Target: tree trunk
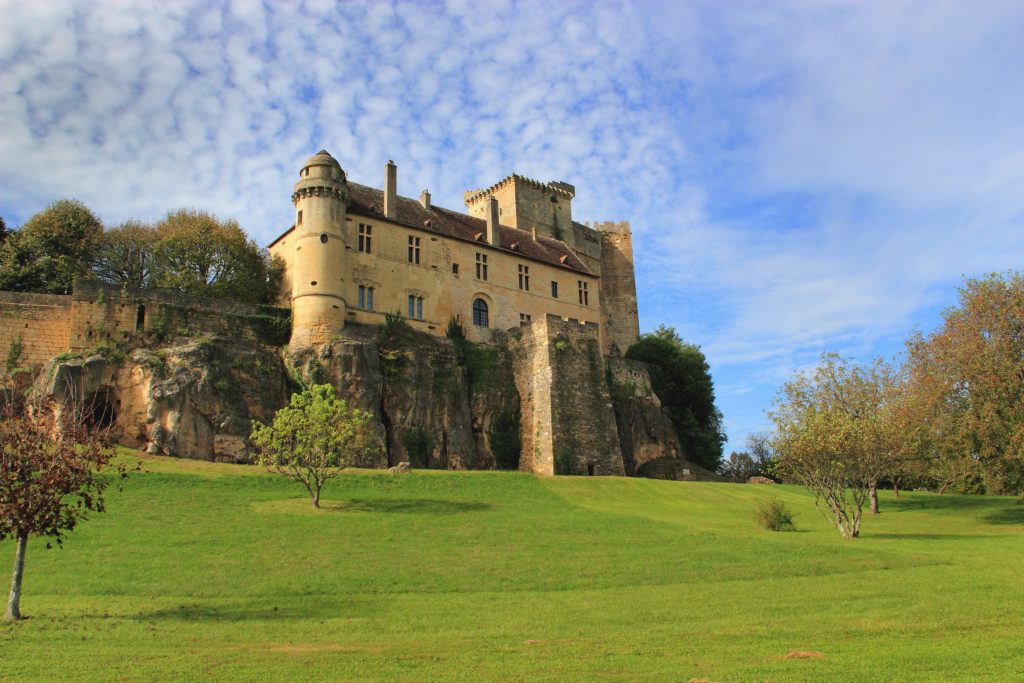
pixel 14 601
pixel 316 499
pixel 873 493
pixel 895 489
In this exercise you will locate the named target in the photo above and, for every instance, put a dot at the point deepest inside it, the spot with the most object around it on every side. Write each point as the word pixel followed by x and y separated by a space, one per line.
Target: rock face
pixel 542 400
pixel 440 405
pixel 195 399
pixel 645 431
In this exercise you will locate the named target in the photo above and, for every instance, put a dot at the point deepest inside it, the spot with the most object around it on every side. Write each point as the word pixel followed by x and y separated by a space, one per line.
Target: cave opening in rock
pixel 100 410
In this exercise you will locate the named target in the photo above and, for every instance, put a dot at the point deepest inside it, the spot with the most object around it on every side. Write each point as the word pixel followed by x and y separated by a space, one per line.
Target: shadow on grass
pixel 1011 514
pixel 423 506
pixel 251 610
pixel 927 537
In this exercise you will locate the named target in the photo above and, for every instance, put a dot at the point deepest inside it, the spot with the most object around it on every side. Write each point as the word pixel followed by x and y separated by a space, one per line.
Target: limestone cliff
pixel 193 399
pixel 543 400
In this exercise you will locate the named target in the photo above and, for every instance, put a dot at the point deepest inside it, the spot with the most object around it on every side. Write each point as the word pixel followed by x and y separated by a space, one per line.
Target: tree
pixel 838 433
pixel 124 255
pixel 682 381
pixel 195 253
pixel 758 460
pixel 51 465
pixel 314 438
pixel 53 248
pixel 967 388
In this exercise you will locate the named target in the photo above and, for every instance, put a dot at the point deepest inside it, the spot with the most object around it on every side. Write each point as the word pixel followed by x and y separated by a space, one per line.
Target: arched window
pixel 480 312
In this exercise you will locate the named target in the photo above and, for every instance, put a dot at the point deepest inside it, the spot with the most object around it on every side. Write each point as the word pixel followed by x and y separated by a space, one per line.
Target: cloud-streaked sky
pixel 799 176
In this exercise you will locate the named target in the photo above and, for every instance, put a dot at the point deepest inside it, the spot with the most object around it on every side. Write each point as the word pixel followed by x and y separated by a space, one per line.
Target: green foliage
pixel 14 350
pixel 189 252
pixel 53 248
pixel 966 388
pixel 773 515
pixel 681 378
pixel 314 438
pixel 271 326
pixel 505 440
pixel 418 445
pixel 395 329
pixel 481 362
pixel 455 331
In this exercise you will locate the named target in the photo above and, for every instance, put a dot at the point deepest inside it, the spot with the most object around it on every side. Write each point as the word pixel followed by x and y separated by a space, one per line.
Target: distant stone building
pixel 356 253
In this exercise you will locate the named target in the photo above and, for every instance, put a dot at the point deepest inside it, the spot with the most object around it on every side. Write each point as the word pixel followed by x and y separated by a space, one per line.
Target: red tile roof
pixel 369 202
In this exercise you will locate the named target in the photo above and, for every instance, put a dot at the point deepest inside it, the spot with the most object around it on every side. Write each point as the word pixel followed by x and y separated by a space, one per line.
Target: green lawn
pixel 219 571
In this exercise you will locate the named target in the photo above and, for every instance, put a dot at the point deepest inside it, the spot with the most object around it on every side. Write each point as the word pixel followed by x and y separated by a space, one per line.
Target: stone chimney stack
pixel 425 199
pixel 534 231
pixel 493 229
pixel 390 190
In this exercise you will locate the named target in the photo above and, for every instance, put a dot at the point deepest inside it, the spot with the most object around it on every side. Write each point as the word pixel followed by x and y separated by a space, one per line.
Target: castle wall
pixel 526 204
pixel 620 316
pixel 96 314
pixel 39 323
pixel 447 294
pixel 568 423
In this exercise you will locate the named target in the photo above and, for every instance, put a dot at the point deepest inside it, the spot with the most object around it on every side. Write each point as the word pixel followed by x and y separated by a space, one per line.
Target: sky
pixel 800 177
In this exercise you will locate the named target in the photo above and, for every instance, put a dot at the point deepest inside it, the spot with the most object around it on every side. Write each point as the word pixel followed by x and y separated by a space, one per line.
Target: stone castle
pixel 547 307
pixel 356 253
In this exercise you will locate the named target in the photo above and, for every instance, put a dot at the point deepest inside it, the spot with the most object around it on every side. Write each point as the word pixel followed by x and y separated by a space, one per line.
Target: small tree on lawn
pixel 839 432
pixel 51 477
pixel 314 438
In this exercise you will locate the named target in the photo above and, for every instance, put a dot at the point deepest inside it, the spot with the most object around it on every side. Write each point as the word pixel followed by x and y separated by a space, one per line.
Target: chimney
pixel 425 199
pixel 390 190
pixel 493 228
pixel 534 231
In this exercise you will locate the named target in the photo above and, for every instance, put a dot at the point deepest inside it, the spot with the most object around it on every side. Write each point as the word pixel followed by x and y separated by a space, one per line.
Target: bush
pixel 774 515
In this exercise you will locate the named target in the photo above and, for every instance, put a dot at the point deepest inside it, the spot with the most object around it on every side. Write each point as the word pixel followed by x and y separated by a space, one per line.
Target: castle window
pixel 323 238
pixel 480 313
pixel 365 297
pixel 584 294
pixel 299 219
pixel 416 307
pixel 524 319
pixel 414 250
pixel 365 238
pixel 481 267
pixel 455 268
pixel 524 277
pixel 554 289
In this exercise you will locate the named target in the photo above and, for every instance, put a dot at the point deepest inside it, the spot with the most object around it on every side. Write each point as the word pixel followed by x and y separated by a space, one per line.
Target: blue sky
pixel 799 176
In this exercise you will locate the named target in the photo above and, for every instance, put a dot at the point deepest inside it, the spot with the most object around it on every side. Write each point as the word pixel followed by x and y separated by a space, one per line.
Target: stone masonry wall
pixel 568 423
pixel 618 287
pixel 39 323
pixel 96 314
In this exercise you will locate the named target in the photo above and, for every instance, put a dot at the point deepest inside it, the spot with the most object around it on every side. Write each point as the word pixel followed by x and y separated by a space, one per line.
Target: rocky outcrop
pixel 645 430
pixel 194 399
pixel 439 404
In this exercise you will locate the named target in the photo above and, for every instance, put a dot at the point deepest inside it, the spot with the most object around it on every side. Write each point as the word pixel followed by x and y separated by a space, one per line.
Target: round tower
pixel 318 289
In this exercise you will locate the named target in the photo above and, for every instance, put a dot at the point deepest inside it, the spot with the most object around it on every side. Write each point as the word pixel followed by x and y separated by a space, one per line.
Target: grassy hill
pixel 219 571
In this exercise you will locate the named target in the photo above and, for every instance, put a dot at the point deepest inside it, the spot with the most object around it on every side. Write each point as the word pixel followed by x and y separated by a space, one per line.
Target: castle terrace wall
pixel 98 314
pixel 568 421
pixel 39 324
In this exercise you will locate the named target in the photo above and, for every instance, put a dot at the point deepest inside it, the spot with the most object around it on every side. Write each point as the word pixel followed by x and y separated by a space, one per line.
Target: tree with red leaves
pixel 51 477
